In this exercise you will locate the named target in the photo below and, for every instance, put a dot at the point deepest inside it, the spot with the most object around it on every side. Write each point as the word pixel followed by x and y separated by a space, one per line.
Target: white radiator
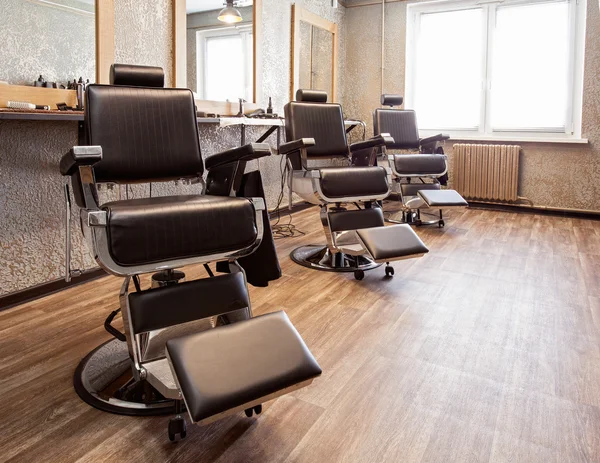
pixel 486 172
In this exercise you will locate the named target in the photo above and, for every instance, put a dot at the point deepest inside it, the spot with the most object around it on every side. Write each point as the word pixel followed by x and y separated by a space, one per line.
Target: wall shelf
pixel 41 115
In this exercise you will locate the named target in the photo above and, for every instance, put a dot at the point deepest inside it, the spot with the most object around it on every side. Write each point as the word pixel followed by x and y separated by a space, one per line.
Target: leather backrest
pixel 401 124
pixel 139 76
pixel 322 121
pixel 146 134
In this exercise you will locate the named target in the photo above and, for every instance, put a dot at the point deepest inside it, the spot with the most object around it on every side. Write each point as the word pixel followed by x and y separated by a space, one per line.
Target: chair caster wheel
pixel 257 409
pixel 359 274
pixel 389 271
pixel 441 224
pixel 177 426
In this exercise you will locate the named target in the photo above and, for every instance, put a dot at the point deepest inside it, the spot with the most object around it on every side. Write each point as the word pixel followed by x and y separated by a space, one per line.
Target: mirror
pixel 52 38
pixel 314 53
pixel 220 55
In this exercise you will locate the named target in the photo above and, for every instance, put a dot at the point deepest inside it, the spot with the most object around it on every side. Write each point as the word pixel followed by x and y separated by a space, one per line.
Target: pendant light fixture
pixel 229 14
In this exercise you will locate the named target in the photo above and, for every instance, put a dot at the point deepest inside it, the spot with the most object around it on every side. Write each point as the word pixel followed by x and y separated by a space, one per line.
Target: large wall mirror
pixel 217 60
pixel 314 53
pixel 61 40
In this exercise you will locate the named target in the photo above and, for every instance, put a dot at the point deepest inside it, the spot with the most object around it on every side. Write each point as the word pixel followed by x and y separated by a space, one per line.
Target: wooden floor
pixel 487 349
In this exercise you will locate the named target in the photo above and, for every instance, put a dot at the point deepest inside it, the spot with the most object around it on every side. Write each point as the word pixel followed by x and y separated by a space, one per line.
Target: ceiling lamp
pixel 229 14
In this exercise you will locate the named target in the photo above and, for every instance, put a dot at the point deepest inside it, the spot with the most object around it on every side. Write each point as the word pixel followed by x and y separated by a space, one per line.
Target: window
pixel 225 64
pixel 500 69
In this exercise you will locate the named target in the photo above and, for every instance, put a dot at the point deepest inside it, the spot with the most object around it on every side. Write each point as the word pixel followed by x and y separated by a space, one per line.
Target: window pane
pixel 225 68
pixel 449 70
pixel 530 65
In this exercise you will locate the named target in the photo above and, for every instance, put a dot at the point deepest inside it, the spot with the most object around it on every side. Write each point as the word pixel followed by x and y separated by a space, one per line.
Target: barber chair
pixel 419 176
pixel 187 345
pixel 347 194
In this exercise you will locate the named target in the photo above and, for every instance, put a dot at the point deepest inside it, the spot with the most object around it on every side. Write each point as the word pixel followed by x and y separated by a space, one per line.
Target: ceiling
pixel 197 6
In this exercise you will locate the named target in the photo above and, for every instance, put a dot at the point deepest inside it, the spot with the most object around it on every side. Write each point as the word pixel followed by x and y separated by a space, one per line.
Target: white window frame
pixel 573 120
pixel 202 36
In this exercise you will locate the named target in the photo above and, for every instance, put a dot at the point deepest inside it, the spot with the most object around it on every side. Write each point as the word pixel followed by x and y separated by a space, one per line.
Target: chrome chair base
pixel 167 278
pixel 319 257
pixel 412 217
pixel 104 380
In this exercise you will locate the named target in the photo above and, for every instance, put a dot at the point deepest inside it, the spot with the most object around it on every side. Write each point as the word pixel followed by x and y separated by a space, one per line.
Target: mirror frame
pixel 302 14
pixel 180 51
pixel 105 39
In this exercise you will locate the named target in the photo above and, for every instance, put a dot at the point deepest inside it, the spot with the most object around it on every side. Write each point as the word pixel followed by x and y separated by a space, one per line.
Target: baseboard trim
pixel 523 209
pixel 45 289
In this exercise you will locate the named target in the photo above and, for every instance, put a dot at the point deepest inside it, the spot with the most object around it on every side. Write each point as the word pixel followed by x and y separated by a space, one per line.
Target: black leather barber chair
pixel 187 345
pixel 323 172
pixel 418 176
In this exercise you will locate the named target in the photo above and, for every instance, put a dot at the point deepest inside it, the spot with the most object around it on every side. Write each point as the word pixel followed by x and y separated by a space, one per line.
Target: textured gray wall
pixel 553 175
pixel 31 198
pixel 40 39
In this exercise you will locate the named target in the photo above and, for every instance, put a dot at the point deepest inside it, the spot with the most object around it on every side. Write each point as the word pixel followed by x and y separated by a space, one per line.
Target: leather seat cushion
pixel 443 198
pixel 150 230
pixel 420 164
pixel 392 243
pixel 232 365
pixel 340 182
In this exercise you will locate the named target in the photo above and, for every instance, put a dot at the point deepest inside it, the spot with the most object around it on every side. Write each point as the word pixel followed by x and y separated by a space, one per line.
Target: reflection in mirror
pixel 316 58
pixel 314 53
pixel 220 54
pixel 52 38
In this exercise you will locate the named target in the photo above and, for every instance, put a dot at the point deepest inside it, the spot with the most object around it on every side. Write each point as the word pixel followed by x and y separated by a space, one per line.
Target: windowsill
pixel 562 140
pixel 508 138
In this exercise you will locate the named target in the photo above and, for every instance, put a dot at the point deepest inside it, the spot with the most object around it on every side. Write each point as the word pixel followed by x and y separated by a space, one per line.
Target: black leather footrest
pixel 238 365
pixel 396 242
pixel 442 198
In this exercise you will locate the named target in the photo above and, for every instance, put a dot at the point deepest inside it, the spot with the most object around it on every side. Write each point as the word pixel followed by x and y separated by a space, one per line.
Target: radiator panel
pixel 487 172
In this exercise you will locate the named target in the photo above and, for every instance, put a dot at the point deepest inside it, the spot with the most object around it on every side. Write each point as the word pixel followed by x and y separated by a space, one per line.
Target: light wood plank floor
pixel 487 349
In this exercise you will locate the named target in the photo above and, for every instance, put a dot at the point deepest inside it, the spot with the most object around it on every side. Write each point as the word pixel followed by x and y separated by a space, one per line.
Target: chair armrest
pixel 243 153
pixel 433 139
pixel 296 145
pixel 379 140
pixel 80 156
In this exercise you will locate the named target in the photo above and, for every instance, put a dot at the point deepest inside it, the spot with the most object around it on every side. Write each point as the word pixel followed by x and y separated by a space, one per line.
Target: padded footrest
pixel 397 242
pixel 234 367
pixel 442 198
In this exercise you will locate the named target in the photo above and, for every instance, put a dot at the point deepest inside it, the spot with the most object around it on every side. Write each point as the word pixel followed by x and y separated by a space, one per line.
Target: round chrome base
pixel 397 217
pixel 104 380
pixel 412 217
pixel 318 257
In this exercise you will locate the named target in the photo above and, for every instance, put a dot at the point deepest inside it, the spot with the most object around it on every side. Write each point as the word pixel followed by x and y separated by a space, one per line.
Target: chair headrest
pixel 315 96
pixel 391 100
pixel 136 76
